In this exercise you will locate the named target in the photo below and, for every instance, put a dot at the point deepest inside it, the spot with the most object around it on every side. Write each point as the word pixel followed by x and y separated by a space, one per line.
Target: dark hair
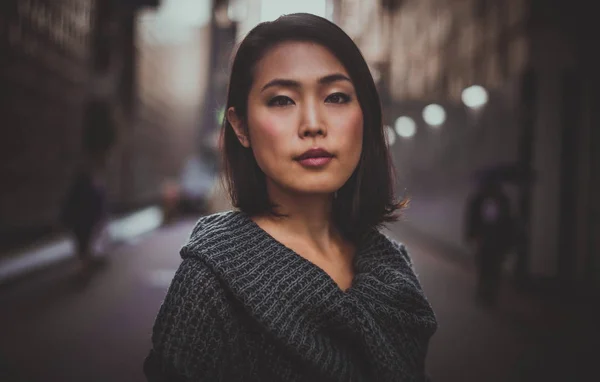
pixel 367 198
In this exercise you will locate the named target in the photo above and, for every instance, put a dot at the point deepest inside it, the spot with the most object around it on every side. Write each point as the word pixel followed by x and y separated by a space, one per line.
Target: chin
pixel 310 183
pixel 314 186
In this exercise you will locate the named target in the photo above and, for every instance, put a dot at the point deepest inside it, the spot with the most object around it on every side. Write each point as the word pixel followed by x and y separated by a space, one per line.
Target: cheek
pixel 267 139
pixel 357 125
pixel 265 129
pixel 352 127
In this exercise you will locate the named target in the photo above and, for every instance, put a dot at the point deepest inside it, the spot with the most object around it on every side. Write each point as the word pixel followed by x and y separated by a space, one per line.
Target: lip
pixel 316 157
pixel 315 153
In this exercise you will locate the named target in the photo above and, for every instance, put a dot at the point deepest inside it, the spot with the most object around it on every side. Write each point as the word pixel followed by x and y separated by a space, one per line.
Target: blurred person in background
pixel 192 194
pixel 489 232
pixel 84 212
pixel 197 179
pixel 297 283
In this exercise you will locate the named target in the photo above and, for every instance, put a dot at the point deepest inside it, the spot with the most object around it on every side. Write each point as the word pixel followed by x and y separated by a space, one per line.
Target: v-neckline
pixel 289 251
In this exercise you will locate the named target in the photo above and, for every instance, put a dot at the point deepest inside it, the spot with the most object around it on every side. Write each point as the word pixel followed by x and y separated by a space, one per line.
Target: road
pixel 58 326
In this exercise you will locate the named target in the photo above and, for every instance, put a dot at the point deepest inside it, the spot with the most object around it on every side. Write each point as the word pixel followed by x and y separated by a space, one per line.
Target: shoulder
pixel 391 258
pixel 194 292
pixel 395 285
pixel 215 224
pixel 191 323
pixel 401 251
pixel 211 231
pixel 384 245
pixel 193 276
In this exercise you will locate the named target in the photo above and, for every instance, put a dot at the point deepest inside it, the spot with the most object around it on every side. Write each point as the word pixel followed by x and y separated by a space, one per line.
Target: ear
pixel 238 127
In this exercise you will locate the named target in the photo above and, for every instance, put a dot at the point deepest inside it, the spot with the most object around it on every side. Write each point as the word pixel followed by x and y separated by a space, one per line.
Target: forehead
pixel 301 61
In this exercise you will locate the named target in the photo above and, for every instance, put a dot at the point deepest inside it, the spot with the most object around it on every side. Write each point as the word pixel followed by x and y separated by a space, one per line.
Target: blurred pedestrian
pixel 490 233
pixel 84 212
pixel 197 179
pixel 191 195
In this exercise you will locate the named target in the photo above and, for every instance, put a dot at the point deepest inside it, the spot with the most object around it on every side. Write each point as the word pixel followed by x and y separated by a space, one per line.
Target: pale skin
pixel 302 98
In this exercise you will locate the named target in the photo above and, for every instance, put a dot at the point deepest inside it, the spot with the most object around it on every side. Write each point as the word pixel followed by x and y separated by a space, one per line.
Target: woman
pixel 298 284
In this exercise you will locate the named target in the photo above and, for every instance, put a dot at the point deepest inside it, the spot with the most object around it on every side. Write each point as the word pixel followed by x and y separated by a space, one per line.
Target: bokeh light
pixel 434 115
pixel 405 127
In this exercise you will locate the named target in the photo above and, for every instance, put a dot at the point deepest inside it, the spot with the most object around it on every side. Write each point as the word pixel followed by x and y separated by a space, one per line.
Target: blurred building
pixel 163 67
pixel 438 49
pixel 137 56
pixel 534 60
pixel 49 53
pixel 173 43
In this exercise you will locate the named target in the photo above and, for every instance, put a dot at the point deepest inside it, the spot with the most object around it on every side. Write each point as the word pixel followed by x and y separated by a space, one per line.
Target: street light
pixel 390 136
pixel 405 127
pixel 434 115
pixel 474 96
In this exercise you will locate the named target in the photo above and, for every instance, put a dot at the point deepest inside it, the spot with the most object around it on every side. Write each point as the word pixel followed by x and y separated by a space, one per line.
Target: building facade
pixel 532 59
pixel 55 57
pixel 45 53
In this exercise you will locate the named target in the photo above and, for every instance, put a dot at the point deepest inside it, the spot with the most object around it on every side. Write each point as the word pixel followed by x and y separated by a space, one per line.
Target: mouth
pixel 314 158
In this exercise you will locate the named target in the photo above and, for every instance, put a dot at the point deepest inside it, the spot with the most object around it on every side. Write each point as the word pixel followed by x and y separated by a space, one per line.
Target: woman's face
pixel 304 123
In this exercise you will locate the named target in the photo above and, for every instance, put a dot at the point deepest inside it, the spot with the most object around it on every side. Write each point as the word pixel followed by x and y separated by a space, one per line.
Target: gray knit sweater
pixel 243 307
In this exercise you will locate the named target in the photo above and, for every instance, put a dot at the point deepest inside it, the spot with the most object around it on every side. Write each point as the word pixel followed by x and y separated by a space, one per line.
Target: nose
pixel 312 122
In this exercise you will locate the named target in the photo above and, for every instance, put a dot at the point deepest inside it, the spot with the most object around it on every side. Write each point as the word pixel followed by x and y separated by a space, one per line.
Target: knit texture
pixel 244 307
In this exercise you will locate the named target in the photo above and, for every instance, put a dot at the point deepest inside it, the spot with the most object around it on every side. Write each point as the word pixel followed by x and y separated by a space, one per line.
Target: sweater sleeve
pixel 189 331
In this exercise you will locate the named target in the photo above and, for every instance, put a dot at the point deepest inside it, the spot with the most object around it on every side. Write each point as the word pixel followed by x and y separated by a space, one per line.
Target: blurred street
pixel 111 119
pixel 58 326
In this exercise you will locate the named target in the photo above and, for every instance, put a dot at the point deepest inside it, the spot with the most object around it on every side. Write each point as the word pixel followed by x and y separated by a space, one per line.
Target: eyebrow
pixel 286 83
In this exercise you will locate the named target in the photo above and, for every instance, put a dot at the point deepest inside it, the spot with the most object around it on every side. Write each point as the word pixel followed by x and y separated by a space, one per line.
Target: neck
pixel 307 216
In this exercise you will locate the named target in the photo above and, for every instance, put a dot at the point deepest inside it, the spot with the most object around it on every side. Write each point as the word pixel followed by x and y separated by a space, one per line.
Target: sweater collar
pixel 301 305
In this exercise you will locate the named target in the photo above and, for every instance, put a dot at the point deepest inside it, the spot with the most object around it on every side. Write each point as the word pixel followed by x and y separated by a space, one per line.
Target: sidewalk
pixel 526 337
pixel 61 248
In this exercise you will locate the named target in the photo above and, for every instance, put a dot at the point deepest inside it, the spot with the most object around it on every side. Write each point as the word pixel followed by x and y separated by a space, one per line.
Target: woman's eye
pixel 338 98
pixel 280 101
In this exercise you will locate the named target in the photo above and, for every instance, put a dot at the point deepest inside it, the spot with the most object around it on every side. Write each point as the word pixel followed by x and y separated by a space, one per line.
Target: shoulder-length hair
pixel 367 199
